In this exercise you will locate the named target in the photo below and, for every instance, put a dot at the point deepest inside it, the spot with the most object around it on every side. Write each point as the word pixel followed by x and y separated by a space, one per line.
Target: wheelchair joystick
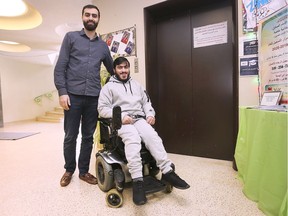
pixel 116 119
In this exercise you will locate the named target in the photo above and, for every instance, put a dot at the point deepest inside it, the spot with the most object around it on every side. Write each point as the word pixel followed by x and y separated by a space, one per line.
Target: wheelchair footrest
pixel 152 185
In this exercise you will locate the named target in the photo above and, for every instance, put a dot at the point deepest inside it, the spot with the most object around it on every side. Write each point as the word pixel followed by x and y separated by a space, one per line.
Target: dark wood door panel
pixel 213 76
pixel 174 83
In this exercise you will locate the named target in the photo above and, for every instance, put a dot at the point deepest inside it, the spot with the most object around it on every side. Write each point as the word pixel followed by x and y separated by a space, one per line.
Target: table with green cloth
pixel 261 158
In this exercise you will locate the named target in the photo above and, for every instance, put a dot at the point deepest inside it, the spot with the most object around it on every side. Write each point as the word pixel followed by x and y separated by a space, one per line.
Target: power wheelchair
pixel 111 164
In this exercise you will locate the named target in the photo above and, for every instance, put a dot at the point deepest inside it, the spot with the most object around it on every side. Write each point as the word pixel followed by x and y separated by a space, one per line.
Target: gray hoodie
pixel 130 96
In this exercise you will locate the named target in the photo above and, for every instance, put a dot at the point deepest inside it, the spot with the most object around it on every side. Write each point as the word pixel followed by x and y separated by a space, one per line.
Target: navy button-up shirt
pixel 77 70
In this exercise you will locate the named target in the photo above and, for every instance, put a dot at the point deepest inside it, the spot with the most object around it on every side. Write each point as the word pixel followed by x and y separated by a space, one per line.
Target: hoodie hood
pixel 124 83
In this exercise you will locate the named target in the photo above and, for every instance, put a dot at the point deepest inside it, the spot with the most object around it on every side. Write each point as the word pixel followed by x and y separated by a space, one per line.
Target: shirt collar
pixel 82 32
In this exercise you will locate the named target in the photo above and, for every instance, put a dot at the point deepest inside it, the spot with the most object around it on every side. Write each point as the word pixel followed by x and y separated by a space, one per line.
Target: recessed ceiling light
pixel 9 42
pixel 28 19
pixel 12 8
pixel 11 46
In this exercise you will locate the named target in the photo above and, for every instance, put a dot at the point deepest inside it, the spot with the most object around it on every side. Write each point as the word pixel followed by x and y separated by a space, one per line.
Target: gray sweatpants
pixel 131 135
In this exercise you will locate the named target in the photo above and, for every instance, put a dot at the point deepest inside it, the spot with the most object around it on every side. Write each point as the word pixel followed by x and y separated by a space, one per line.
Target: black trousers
pixel 83 111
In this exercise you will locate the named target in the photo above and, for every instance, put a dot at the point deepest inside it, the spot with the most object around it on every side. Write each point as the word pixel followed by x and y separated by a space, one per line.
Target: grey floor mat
pixel 15 135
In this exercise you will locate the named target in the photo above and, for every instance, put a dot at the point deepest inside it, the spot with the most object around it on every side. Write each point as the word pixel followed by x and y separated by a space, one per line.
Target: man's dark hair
pixel 119 61
pixel 91 6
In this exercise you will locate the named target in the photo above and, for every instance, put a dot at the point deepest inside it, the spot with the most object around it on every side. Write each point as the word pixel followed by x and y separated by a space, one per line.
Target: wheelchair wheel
pixel 104 174
pixel 153 169
pixel 169 188
pixel 114 198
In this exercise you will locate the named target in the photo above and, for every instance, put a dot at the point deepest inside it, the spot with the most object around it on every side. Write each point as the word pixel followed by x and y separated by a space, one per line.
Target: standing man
pixel 77 79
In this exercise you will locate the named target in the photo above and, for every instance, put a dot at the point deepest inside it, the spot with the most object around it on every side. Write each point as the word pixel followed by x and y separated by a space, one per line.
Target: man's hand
pixel 127 120
pixel 150 120
pixel 64 102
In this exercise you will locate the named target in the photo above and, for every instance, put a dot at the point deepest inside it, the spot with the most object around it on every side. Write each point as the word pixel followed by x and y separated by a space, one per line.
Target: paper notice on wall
pixel 248 45
pixel 210 35
pixel 248 66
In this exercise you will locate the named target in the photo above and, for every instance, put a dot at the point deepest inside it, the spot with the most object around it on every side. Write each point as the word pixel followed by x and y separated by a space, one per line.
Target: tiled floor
pixel 32 167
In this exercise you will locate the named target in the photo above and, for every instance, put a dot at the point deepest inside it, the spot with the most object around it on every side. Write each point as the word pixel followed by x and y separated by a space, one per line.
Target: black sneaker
pixel 139 197
pixel 175 180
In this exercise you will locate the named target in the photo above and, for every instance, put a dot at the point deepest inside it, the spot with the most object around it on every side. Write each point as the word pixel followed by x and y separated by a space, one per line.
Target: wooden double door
pixel 194 90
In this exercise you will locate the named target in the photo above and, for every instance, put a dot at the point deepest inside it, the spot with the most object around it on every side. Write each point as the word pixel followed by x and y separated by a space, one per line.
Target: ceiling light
pixel 9 42
pixel 12 8
pixel 11 46
pixel 31 18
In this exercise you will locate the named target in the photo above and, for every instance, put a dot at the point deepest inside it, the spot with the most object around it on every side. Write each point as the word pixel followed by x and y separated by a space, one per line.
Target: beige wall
pixel 22 82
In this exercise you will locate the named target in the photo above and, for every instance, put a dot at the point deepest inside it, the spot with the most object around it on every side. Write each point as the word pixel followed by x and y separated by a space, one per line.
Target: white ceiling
pixel 45 40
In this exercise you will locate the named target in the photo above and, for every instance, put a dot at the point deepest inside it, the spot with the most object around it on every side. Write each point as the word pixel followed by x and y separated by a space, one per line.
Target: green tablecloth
pixel 261 158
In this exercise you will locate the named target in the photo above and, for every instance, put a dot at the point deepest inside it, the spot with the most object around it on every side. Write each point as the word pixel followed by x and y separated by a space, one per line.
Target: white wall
pixel 22 82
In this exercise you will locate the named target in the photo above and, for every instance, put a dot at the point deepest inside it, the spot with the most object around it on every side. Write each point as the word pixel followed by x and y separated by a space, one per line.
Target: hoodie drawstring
pixel 123 83
pixel 129 87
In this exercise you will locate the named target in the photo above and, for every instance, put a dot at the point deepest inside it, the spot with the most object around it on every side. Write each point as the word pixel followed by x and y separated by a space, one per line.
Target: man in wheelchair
pixel 137 116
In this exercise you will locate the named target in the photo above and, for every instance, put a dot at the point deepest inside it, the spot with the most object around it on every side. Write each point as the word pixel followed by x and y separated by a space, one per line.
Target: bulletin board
pixel 122 42
pixel 263 47
pixel 273 54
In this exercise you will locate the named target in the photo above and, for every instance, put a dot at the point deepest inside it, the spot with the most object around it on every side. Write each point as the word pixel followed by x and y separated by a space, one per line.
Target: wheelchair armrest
pixel 105 121
pixel 113 123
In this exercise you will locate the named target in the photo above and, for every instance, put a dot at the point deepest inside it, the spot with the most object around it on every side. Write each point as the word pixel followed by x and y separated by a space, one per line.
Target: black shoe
pixel 139 197
pixel 175 180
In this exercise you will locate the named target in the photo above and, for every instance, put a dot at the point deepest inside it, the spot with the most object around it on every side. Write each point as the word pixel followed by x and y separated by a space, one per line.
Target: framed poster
pixel 271 98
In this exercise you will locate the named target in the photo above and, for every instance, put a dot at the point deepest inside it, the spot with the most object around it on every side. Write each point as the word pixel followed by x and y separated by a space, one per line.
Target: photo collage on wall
pixel 122 42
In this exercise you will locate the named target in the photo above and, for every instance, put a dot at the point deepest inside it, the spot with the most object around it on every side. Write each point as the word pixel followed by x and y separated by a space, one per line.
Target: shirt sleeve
pixel 61 66
pixel 108 61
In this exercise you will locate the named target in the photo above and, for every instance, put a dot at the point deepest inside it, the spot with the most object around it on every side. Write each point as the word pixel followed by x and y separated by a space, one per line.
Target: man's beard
pixel 122 80
pixel 90 27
